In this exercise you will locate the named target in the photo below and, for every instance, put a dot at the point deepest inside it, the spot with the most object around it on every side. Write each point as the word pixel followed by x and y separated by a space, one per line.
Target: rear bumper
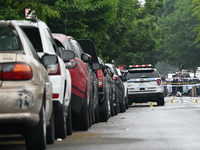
pixel 21 106
pixel 147 97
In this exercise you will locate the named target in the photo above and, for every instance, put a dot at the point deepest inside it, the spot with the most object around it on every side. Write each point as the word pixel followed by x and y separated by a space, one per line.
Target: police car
pixel 144 84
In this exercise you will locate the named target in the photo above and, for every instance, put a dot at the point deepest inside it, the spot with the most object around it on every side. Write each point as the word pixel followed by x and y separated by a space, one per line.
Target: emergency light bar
pixel 140 66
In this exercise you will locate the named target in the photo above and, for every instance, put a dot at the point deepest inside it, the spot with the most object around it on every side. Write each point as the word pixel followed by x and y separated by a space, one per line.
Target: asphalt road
pixel 175 126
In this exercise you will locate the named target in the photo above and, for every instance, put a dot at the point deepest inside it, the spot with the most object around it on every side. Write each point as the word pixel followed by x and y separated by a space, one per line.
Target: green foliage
pixel 178 25
pixel 15 9
pixel 123 31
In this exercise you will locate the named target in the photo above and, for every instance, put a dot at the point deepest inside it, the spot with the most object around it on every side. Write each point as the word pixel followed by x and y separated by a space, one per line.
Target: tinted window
pixel 9 39
pixel 35 55
pixel 142 74
pixel 34 36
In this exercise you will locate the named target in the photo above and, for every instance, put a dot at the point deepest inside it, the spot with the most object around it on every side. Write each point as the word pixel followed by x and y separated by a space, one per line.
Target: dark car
pixel 84 83
pixel 120 87
pixel 89 47
pixel 107 87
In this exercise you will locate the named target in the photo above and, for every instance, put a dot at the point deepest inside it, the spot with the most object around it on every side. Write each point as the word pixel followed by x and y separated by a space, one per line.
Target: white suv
pixel 42 40
pixel 144 84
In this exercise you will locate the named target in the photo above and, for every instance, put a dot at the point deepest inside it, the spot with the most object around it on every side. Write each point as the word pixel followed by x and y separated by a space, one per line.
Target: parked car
pixel 107 89
pixel 120 87
pixel 89 48
pixel 26 105
pixel 124 80
pixel 42 40
pixel 144 84
pixel 81 83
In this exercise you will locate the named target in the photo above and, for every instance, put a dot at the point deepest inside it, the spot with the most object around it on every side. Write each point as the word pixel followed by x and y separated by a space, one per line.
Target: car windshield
pixel 142 74
pixel 9 39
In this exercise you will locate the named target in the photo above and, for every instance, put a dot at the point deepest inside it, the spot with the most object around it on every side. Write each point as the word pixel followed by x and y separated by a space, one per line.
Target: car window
pixel 77 48
pixel 60 47
pixel 35 55
pixel 73 48
pixel 49 35
pixel 34 36
pixel 142 74
pixel 9 39
pixel 68 45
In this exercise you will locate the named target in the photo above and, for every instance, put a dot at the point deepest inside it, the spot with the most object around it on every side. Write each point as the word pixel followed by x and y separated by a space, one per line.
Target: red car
pixel 81 84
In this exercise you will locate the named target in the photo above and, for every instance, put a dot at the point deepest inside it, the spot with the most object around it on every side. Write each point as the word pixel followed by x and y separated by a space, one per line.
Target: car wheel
pixel 117 107
pixel 80 121
pixel 50 130
pixel 35 137
pixel 97 114
pixel 60 121
pixel 122 104
pixel 112 110
pixel 104 115
pixel 161 101
pixel 127 103
pixel 69 120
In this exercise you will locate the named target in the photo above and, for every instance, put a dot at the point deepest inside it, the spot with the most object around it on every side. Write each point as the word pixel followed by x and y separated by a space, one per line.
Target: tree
pixel 178 25
pixel 15 9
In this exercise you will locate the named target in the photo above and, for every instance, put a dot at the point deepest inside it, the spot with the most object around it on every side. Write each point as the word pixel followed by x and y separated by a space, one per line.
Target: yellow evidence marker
pixel 151 104
pixel 196 101
pixel 171 101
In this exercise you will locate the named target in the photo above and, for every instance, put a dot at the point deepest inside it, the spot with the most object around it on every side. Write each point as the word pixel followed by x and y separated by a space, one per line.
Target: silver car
pixel 25 89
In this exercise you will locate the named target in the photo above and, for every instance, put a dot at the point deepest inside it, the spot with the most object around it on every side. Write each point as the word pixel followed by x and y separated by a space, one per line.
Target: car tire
pixel 126 100
pixel 122 104
pixel 50 130
pixel 161 101
pixel 117 106
pixel 104 115
pixel 112 109
pixel 97 114
pixel 60 121
pixel 80 121
pixel 35 138
pixel 69 120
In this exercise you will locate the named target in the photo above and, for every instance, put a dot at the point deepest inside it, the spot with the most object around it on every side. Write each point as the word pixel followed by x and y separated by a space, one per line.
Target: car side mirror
pixel 86 57
pixel 96 66
pixel 49 59
pixel 68 55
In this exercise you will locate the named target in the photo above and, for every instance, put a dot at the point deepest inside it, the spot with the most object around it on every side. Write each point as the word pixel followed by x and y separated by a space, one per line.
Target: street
pixel 175 126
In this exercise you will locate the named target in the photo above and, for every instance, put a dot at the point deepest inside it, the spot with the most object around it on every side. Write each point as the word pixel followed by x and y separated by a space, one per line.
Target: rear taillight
pixel 55 96
pixel 159 81
pixel 54 69
pixel 115 77
pixel 100 78
pixel 15 71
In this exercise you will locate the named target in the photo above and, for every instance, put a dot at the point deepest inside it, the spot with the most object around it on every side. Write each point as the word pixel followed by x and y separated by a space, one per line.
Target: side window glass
pixel 35 55
pixel 60 48
pixel 74 43
pixel 34 36
pixel 52 41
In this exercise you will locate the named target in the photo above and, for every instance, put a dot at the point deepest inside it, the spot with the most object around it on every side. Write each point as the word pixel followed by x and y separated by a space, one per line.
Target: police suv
pixel 144 84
